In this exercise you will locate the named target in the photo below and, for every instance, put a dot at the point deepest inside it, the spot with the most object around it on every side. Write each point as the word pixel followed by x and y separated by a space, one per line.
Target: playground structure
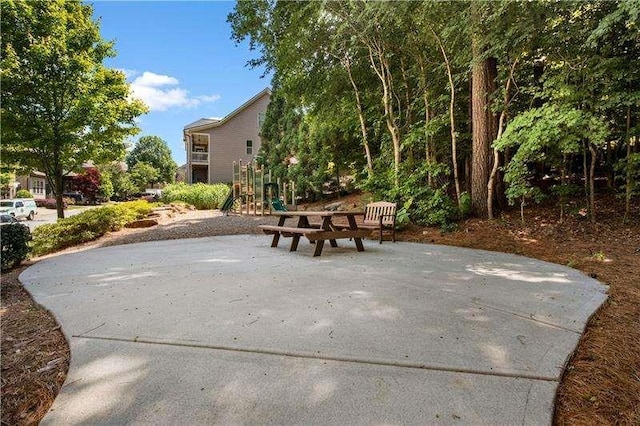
pixel 254 192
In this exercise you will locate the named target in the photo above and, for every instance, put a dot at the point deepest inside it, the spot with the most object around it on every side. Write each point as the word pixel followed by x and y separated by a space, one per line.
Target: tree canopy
pixel 424 92
pixel 155 152
pixel 60 105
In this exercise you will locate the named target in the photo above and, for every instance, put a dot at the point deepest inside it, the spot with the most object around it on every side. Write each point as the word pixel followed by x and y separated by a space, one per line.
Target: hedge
pixel 24 193
pixel 50 203
pixel 15 248
pixel 202 196
pixel 86 226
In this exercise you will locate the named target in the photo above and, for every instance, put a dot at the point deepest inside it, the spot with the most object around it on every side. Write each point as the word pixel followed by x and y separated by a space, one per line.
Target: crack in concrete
pixel 319 356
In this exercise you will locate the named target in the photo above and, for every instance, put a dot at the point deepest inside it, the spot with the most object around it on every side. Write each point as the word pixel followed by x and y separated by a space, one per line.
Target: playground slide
pixel 228 203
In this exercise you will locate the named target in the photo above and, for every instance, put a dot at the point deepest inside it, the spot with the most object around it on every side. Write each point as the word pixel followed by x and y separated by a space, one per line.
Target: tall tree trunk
pixel 380 64
pixel 563 183
pixel 363 124
pixel 629 180
pixel 592 196
pixel 59 184
pixel 483 131
pixel 496 155
pixel 585 171
pixel 452 120
pixel 427 117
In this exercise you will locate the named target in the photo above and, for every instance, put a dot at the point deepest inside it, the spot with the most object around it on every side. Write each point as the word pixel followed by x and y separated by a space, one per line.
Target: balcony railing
pixel 200 157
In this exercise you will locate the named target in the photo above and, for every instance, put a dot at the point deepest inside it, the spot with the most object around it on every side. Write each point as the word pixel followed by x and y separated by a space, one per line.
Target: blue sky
pixel 179 58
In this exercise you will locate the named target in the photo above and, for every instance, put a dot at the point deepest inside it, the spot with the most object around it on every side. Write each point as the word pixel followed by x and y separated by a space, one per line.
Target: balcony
pixel 200 158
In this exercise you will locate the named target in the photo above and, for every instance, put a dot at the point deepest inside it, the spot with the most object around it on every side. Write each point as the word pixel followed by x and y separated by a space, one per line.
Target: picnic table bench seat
pixel 270 229
pixel 314 234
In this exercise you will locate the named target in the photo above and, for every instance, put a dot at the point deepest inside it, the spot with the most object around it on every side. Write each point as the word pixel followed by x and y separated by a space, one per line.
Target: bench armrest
pixel 387 215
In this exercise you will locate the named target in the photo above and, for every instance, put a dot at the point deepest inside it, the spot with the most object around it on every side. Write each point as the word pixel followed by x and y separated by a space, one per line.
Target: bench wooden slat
pixel 290 230
pixel 379 216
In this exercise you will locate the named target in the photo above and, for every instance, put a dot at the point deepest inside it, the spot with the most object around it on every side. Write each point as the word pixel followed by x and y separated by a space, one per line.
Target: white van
pixel 19 208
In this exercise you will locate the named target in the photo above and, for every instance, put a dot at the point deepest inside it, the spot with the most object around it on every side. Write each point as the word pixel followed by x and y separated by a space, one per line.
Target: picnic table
pixel 315 232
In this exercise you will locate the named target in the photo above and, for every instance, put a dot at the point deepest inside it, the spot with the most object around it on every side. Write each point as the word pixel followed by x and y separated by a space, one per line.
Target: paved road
pixel 229 330
pixel 50 216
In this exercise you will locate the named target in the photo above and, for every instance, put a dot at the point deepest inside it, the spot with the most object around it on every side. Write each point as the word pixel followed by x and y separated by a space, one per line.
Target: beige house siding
pixel 228 139
pixel 36 183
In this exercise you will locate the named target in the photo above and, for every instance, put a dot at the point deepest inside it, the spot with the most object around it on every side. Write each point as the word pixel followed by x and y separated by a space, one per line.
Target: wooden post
pixel 293 195
pixel 234 188
pixel 284 193
pixel 261 192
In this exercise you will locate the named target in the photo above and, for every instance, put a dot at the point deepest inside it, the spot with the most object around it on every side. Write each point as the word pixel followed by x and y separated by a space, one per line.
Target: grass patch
pixel 200 195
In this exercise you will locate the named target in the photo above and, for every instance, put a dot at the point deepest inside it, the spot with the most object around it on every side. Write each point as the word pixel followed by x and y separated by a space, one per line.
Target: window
pixel 37 186
pixel 249 147
pixel 261 117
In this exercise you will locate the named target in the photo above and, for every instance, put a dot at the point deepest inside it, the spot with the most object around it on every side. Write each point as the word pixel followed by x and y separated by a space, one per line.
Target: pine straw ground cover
pixel 601 384
pixel 35 354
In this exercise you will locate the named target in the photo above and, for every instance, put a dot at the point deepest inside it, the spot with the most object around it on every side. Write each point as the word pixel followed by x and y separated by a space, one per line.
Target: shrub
pixel 434 209
pixel 50 203
pixel 200 195
pixel 23 193
pixel 86 226
pixel 15 248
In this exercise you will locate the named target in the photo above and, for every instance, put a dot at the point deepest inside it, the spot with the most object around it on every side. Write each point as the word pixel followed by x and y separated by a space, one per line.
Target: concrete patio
pixel 230 330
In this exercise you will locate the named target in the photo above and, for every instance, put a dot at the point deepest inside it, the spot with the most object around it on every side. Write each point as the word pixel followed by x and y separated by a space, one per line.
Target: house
pixel 213 145
pixel 35 182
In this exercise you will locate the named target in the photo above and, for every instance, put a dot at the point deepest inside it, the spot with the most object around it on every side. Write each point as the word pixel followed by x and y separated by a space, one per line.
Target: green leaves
pixel 155 152
pixel 573 73
pixel 61 106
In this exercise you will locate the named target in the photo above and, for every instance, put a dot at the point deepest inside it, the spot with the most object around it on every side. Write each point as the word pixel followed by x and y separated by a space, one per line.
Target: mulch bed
pixel 601 384
pixel 35 354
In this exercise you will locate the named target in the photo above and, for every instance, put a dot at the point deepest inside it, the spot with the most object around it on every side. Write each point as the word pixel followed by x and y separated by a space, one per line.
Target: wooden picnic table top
pixel 322 213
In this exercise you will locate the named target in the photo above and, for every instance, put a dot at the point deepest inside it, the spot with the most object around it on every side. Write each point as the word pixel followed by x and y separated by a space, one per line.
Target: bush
pixel 434 209
pixel 50 203
pixel 421 204
pixel 200 195
pixel 23 193
pixel 15 248
pixel 86 226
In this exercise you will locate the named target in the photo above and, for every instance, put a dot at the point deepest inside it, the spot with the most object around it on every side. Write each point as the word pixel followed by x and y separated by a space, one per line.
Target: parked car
pixel 19 208
pixel 6 219
pixel 77 197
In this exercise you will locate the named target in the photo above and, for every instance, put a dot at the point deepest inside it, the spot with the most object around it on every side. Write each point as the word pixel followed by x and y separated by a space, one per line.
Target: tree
pixel 419 86
pixel 154 151
pixel 106 190
pixel 142 174
pixel 116 174
pixel 60 105
pixel 88 184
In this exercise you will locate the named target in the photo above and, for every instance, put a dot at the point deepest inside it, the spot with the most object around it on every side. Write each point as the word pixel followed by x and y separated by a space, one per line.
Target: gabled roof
pixel 201 122
pixel 207 123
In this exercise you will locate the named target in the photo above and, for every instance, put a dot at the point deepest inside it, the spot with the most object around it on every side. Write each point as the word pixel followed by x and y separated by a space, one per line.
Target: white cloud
pixel 128 73
pixel 149 79
pixel 152 89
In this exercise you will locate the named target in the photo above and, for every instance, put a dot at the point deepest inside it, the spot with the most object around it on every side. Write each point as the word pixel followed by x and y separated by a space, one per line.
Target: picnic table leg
pixel 319 245
pixel 276 235
pixel 353 225
pixel 326 225
pixel 276 238
pixel 294 242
